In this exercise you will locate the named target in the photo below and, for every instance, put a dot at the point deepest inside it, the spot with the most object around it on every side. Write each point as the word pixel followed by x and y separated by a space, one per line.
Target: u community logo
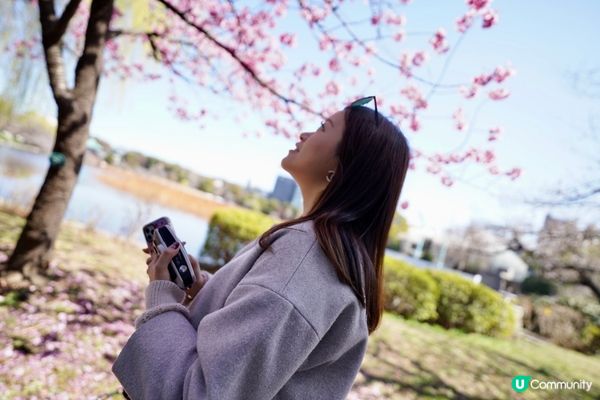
pixel 521 383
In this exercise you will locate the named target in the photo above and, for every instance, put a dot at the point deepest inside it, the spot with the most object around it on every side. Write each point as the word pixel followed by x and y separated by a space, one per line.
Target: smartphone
pixel 160 234
pixel 150 227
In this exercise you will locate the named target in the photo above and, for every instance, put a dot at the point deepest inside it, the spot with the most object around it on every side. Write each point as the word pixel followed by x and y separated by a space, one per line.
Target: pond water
pixel 94 203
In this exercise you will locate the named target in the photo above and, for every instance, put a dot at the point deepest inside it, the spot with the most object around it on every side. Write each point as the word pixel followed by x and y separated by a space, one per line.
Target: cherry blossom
pixel 434 169
pixel 468 92
pixel 439 41
pixel 419 58
pixel 415 124
pixel 464 22
pixel 501 73
pixel 399 36
pixel 447 181
pixel 250 61
pixel 288 39
pixel 514 173
pixel 459 119
pixel 490 18
pixel 413 94
pixel 478 4
pixel 332 88
pixel 499 94
pixel 391 18
pixel 334 65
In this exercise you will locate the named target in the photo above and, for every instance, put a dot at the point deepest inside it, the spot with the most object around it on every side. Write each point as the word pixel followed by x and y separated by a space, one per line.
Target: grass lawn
pixel 61 342
pixel 408 359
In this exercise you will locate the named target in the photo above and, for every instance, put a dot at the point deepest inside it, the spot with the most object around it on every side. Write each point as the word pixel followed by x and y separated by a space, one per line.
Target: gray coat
pixel 274 324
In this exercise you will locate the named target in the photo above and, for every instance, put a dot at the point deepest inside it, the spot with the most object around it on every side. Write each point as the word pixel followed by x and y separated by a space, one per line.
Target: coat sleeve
pixel 246 350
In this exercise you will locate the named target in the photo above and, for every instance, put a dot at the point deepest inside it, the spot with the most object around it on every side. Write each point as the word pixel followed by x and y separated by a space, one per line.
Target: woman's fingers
pixel 201 276
pixel 205 276
pixel 146 250
pixel 196 269
pixel 165 257
pixel 148 260
pixel 201 279
pixel 194 262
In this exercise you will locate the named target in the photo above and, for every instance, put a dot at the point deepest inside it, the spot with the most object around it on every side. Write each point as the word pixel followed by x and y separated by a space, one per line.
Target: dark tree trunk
pixel 33 250
pixel 586 278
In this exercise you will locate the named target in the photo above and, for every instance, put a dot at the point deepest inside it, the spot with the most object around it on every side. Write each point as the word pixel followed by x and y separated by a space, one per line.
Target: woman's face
pixel 316 153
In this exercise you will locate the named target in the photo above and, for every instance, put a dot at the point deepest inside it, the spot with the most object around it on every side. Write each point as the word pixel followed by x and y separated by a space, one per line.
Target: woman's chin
pixel 286 160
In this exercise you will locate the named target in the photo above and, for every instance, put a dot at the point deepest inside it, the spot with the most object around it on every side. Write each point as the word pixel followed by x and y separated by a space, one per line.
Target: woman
pixel 289 316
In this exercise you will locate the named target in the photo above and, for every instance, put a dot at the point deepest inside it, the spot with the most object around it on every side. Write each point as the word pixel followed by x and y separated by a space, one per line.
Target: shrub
pixel 539 285
pixel 409 291
pixel 454 297
pixel 562 324
pixel 471 307
pixel 445 298
pixel 230 229
pixel 489 313
pixel 591 339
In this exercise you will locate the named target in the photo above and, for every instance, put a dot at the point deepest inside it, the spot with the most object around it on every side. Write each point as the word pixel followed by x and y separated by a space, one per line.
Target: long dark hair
pixel 353 215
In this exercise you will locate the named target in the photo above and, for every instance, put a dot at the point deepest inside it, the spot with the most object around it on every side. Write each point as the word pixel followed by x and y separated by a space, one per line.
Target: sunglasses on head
pixel 364 100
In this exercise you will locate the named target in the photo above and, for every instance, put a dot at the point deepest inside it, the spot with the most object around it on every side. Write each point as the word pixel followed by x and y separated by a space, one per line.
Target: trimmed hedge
pixel 446 299
pixel 230 229
pixel 409 291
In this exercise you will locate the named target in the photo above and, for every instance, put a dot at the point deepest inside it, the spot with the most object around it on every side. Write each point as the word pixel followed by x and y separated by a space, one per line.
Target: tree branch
pixel 232 53
pixel 361 43
pixel 149 35
pixel 580 196
pixel 52 53
pixel 89 65
pixel 60 26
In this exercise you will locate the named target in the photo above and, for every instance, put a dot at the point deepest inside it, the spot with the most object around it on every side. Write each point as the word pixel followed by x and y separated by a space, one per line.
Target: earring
pixel 332 172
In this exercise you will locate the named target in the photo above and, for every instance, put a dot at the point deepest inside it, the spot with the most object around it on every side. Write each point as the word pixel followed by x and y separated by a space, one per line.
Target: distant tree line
pixel 247 197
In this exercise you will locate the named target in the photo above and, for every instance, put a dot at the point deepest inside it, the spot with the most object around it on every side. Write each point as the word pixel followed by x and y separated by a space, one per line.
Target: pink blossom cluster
pixel 438 161
pixel 489 17
pixel 498 75
pixel 408 61
pixel 413 94
pixel 246 58
pixel 313 13
pixel 439 42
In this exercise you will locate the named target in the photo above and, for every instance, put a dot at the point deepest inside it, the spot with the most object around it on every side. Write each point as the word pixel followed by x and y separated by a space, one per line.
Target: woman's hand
pixel 158 263
pixel 158 269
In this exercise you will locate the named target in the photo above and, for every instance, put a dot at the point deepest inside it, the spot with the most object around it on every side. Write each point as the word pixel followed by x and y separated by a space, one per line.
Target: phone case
pixel 160 234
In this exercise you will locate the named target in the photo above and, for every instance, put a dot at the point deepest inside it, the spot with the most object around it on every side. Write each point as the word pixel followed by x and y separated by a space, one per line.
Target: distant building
pixel 424 243
pixel 287 190
pixel 500 268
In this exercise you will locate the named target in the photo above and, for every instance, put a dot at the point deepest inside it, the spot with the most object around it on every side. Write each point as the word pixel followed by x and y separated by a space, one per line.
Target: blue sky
pixel 543 119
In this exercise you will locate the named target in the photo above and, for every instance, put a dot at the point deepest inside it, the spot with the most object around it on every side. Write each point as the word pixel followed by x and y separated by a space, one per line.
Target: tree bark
pixel 33 250
pixel 586 278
